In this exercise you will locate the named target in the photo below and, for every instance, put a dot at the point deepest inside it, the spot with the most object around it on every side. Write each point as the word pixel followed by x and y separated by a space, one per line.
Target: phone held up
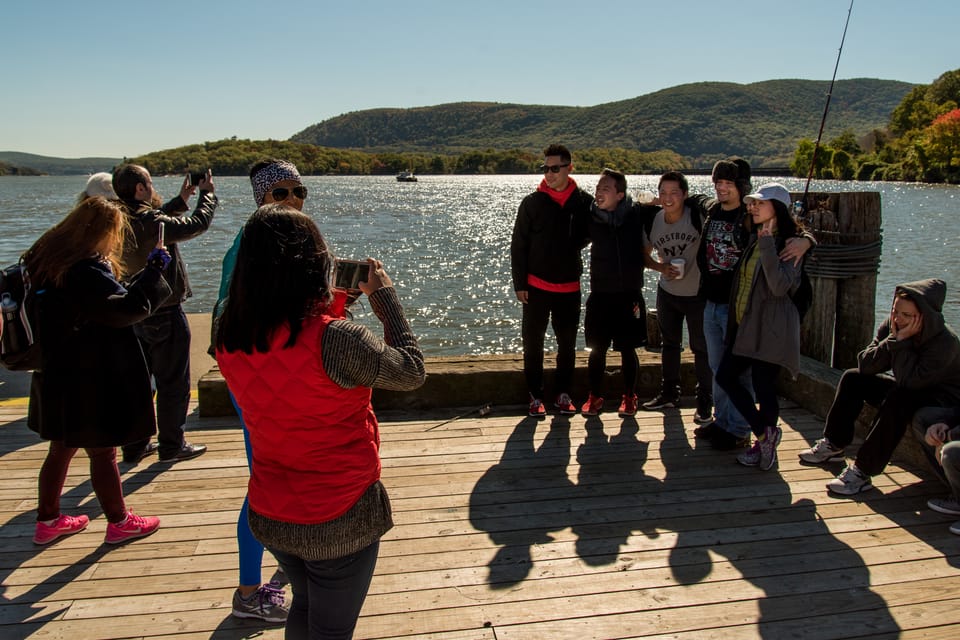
pixel 160 239
pixel 348 274
pixel 196 177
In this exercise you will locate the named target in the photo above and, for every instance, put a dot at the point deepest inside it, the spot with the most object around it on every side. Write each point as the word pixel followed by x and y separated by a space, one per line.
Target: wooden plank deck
pixel 510 529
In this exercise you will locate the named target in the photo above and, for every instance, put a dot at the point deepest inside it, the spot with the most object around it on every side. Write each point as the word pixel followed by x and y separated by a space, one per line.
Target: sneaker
pixel 565 405
pixel 851 481
pixel 134 458
pixel 592 406
pixel 266 603
pixel 726 441
pixel 949 505
pixel 822 451
pixel 750 457
pixel 704 413
pixel 768 447
pixel 708 431
pixel 133 527
pixel 537 410
pixel 955 528
pixel 662 402
pixel 62 526
pixel 186 452
pixel 628 406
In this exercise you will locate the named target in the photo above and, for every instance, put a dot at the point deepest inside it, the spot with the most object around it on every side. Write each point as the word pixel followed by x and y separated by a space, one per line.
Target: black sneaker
pixel 662 402
pixel 726 441
pixel 708 431
pixel 186 452
pixel 134 458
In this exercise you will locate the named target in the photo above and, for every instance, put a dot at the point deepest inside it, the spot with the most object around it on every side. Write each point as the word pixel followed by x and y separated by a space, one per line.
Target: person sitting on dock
pixel 923 353
pixel 938 428
pixel 549 233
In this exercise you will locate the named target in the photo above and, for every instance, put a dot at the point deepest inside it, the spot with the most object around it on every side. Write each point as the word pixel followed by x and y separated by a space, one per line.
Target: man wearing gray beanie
pixel 726 233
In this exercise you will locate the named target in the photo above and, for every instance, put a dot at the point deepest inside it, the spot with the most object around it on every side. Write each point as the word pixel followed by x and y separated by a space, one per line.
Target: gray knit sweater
pixel 353 356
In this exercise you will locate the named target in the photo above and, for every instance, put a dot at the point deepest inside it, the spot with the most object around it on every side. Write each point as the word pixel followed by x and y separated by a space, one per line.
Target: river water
pixel 445 241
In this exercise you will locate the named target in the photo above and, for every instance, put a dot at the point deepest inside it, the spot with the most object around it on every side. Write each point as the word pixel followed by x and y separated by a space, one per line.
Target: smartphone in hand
pixel 160 235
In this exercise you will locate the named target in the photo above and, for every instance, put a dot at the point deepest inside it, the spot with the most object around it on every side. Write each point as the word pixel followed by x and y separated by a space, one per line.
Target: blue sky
pixel 125 78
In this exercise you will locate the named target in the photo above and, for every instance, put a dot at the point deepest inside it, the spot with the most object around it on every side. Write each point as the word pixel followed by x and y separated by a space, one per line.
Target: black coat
pixel 93 389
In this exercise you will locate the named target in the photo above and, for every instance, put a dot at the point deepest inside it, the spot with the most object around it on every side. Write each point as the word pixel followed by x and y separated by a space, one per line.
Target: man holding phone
pixel 165 335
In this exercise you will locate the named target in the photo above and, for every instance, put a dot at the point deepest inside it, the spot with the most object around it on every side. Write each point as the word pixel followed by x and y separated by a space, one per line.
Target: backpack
pixel 802 296
pixel 19 341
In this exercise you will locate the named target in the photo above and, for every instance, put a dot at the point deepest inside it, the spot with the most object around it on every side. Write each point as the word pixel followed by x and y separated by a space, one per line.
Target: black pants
pixel 895 408
pixel 165 338
pixel 610 320
pixel 562 312
pixel 764 387
pixel 671 312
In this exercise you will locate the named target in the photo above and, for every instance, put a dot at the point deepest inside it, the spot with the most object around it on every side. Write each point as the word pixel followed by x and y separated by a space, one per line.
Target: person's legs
pixel 950 460
pixel 670 319
pixel 597 338
pixel 250 551
pixel 701 362
pixel 893 417
pixel 50 481
pixel 853 391
pixel 327 594
pixel 565 319
pixel 165 337
pixel 728 377
pixel 105 479
pixel 536 315
pixel 714 331
pixel 764 376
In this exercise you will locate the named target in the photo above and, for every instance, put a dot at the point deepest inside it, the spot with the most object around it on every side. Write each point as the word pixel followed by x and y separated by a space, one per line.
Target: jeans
pixel 895 408
pixel 562 311
pixel 104 477
pixel 249 549
pixel 327 594
pixel 764 376
pixel 715 332
pixel 671 312
pixel 948 467
pixel 165 338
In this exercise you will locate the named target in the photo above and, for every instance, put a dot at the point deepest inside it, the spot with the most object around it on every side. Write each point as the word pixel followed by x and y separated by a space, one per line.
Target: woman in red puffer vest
pixel 303 377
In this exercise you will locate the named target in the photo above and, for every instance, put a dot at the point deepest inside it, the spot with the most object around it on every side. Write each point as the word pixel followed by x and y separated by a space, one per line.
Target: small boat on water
pixel 406 176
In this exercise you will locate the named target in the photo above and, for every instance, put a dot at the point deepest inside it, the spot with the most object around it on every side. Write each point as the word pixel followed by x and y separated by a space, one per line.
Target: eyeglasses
pixel 280 193
pixel 553 168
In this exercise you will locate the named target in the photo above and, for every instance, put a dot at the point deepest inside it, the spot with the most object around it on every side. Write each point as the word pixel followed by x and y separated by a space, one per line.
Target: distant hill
pixel 762 121
pixel 59 166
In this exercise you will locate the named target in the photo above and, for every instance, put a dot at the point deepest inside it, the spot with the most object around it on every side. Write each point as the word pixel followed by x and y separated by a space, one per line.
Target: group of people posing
pixel 729 266
pixel 110 283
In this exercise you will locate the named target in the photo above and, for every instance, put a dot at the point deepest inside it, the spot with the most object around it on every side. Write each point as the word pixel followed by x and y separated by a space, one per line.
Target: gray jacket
pixel 770 330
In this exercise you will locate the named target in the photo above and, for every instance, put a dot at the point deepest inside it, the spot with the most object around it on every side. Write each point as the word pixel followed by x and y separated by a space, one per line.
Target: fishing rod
pixel 826 108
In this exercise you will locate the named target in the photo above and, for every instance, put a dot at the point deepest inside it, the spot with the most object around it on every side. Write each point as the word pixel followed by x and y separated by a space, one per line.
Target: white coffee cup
pixel 679 264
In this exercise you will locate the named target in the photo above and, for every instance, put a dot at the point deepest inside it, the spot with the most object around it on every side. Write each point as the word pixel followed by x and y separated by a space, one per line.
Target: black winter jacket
pixel 93 389
pixel 547 238
pixel 144 223
pixel 616 253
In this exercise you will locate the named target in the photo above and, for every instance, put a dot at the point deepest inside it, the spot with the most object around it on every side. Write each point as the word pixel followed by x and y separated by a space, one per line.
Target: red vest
pixel 315 444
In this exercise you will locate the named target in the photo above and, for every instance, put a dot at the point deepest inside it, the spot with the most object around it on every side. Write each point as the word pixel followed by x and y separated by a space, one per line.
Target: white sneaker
pixel 822 451
pixel 850 482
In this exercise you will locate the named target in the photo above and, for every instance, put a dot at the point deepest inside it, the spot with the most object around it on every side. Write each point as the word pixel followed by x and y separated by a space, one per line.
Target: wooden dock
pixel 509 529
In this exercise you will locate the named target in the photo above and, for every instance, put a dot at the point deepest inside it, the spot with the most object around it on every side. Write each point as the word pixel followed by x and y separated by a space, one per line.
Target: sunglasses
pixel 280 193
pixel 553 168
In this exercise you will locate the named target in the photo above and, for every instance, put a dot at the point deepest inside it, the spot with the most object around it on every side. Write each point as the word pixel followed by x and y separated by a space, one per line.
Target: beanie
pixel 736 170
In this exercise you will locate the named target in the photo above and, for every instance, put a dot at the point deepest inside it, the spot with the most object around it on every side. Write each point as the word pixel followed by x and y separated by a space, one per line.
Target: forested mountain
pixel 57 166
pixel 762 121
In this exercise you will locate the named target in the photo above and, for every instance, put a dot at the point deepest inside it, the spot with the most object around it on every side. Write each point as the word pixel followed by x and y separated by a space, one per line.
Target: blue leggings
pixel 251 551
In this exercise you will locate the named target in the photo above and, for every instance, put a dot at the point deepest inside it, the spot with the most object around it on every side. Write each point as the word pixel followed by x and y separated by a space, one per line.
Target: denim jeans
pixel 715 331
pixel 165 338
pixel 327 594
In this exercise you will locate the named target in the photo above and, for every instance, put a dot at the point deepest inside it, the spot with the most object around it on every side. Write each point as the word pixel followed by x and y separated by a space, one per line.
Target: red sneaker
pixel 62 526
pixel 133 527
pixel 537 410
pixel 565 405
pixel 592 406
pixel 628 406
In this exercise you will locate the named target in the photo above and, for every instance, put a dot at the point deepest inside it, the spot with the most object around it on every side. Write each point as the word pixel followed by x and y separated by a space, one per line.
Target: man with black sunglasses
pixel 165 335
pixel 545 255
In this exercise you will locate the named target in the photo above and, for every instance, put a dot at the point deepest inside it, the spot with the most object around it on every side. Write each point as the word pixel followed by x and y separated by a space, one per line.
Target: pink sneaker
pixel 62 526
pixel 133 527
